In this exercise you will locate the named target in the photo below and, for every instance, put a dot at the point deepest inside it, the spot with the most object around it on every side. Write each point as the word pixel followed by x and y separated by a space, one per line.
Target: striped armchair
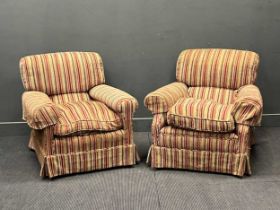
pixel 204 120
pixel 78 122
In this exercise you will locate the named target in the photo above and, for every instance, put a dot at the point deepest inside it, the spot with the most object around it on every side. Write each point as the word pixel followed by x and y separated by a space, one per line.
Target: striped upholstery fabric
pixel 163 98
pixel 248 106
pixel 207 126
pixel 159 121
pixel 219 95
pixel 113 98
pixel 69 97
pixel 38 110
pixel 201 115
pixel 119 101
pixel 86 116
pixel 65 72
pixel 197 160
pixel 223 68
pixel 231 155
pixel 57 164
pixel 84 143
pixel 73 131
pixel 195 140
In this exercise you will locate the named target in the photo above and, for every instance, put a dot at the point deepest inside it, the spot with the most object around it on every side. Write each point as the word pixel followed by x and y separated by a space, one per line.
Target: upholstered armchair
pixel 78 122
pixel 204 120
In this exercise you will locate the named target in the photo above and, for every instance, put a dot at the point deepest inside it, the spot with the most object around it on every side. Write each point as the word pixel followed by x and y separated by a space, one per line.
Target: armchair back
pixel 222 68
pixel 62 72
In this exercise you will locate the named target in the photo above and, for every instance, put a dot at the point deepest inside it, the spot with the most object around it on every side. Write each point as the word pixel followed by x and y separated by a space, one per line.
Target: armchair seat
pixel 84 116
pixel 201 115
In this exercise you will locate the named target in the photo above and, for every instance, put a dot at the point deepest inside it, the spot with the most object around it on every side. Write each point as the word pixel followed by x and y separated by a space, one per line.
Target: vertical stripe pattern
pixel 201 115
pixel 38 110
pixel 162 99
pixel 84 143
pixel 159 121
pixel 56 163
pixel 69 97
pixel 207 127
pixel 70 163
pixel 223 68
pixel 219 162
pixel 177 148
pixel 64 72
pixel 195 140
pixel 74 132
pixel 202 151
pixel 86 116
pixel 113 97
pixel 219 95
pixel 119 101
pixel 248 106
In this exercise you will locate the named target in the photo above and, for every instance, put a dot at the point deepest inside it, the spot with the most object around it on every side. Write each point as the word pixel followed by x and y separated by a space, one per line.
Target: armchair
pixel 204 120
pixel 78 123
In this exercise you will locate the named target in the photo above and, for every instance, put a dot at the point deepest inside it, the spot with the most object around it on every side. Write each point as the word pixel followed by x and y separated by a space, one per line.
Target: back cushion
pixel 65 72
pixel 220 95
pixel 69 97
pixel 223 68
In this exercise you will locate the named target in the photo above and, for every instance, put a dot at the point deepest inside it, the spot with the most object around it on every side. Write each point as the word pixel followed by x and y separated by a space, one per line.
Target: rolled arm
pixel 38 110
pixel 114 98
pixel 160 100
pixel 248 106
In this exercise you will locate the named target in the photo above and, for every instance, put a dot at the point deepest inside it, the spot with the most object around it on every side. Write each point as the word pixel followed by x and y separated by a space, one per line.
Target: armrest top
pixel 163 98
pixel 38 110
pixel 113 97
pixel 248 105
pixel 249 90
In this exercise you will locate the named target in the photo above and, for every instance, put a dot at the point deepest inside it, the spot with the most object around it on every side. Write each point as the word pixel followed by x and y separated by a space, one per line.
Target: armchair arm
pixel 162 99
pixel 248 106
pixel 38 110
pixel 159 121
pixel 114 98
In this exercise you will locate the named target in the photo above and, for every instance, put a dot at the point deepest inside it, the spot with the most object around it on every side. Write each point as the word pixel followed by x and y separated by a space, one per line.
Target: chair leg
pixel 252 137
pixel 148 161
pixel 248 170
pixel 138 159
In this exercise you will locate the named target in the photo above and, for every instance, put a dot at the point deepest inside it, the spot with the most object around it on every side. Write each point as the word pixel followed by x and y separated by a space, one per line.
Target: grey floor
pixel 140 187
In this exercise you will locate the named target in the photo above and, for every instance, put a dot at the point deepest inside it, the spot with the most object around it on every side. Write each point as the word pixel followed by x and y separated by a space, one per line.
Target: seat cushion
pixel 86 116
pixel 201 115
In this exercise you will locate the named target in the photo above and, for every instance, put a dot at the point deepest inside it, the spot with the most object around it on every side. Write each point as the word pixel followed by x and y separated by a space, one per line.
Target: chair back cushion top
pixel 222 68
pixel 62 72
pixel 201 115
pixel 86 116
